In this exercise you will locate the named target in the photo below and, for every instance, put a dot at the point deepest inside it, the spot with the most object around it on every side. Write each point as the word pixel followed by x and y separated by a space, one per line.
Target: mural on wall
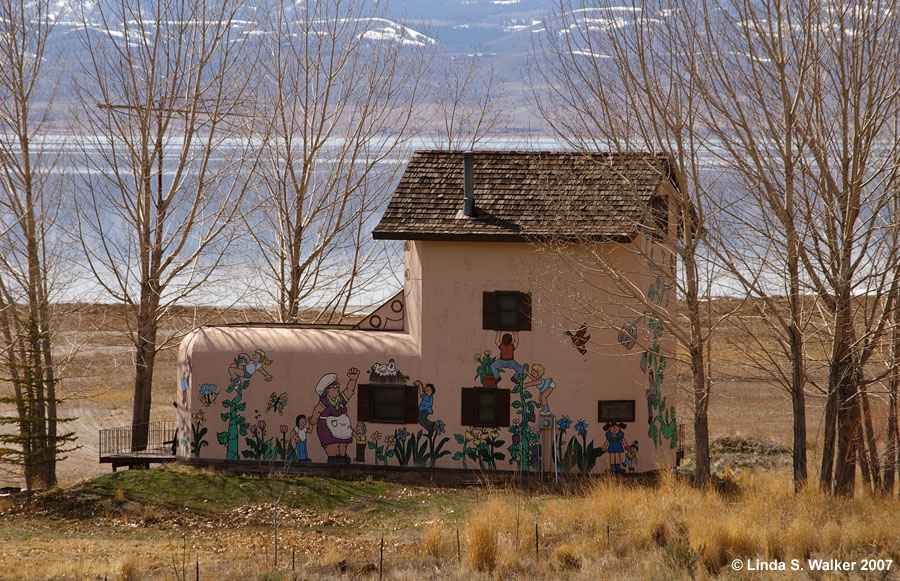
pixel 259 446
pixel 577 452
pixel 507 344
pixel 483 372
pixel 277 403
pixel 330 416
pixel 580 338
pixel 208 394
pixel 198 433
pixel 615 445
pixel 524 451
pixel 481 444
pixel 545 386
pixel 241 370
pixel 298 437
pixel 387 374
pixel 631 456
pixel 661 417
pixel 383 450
pixel 361 440
pixel 246 366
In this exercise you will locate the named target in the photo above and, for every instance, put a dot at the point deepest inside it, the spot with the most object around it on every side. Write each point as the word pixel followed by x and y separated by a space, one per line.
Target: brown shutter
pixel 469 401
pixel 411 404
pixel 503 408
pixel 363 403
pixel 524 311
pixel 489 311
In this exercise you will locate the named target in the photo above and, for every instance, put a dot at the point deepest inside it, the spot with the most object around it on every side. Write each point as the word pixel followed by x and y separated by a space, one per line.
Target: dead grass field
pixel 612 529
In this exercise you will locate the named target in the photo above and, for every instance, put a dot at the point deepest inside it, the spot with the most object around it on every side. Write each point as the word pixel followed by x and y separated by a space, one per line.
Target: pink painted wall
pixel 444 282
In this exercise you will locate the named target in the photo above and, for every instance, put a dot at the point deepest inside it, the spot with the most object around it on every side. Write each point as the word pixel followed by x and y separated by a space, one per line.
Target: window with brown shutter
pixel 485 407
pixel 506 311
pixel 389 404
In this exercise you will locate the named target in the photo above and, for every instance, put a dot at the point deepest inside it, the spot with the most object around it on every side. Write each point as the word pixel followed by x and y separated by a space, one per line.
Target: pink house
pixel 483 360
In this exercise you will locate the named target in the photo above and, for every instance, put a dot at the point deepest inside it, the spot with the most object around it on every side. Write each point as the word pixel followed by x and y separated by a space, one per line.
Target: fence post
pixel 381 559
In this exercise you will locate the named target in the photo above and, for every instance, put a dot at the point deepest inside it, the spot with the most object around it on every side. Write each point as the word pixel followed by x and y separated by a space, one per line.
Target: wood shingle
pixel 521 195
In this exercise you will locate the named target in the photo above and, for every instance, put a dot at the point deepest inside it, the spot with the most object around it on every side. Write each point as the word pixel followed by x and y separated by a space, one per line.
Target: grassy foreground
pixel 164 524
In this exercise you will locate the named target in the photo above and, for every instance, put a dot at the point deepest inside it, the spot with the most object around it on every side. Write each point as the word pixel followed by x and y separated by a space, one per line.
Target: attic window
pixel 615 410
pixel 506 311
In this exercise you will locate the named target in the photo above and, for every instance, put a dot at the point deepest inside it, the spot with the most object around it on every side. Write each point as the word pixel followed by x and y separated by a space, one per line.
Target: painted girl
pixel 615 445
pixel 245 366
pixel 330 415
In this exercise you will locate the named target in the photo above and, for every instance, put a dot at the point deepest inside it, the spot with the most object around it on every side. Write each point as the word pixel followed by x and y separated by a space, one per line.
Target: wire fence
pixel 122 440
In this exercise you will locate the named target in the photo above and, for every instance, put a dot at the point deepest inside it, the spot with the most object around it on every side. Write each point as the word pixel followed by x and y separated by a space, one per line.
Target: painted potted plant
pixel 483 372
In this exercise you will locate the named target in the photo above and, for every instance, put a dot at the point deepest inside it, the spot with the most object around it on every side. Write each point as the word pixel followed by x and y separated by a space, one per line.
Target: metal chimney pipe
pixel 468 184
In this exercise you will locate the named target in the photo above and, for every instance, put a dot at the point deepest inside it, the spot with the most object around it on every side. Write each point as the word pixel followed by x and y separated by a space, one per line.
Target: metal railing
pixel 116 441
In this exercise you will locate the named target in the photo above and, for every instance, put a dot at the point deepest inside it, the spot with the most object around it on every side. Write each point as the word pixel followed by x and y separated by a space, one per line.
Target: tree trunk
pixel 871 445
pixel 145 357
pixel 826 473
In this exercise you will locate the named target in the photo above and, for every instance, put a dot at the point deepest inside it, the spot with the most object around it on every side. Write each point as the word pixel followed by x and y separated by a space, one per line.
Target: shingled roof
pixel 521 195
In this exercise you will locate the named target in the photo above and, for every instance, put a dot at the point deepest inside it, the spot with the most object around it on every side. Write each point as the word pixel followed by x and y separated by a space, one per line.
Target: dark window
pixel 485 407
pixel 390 404
pixel 659 211
pixel 615 410
pixel 506 311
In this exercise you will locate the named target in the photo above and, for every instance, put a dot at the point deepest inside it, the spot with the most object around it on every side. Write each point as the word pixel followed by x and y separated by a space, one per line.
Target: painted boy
pixel 299 436
pixel 360 431
pixel 507 343
pixel 426 405
pixel 246 366
pixel 545 385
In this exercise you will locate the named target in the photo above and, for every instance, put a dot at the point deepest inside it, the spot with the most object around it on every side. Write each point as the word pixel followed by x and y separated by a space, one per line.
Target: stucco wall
pixel 444 282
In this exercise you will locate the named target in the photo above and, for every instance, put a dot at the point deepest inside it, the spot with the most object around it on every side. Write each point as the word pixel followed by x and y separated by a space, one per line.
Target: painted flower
pixel 469 436
pixel 390 440
pixel 495 434
pixel 401 435
pixel 375 436
pixel 262 425
pixel 199 418
pixel 208 388
pixel 283 429
pixel 581 427
pixel 563 423
pixel 439 428
pixel 253 429
pixel 477 441
pixel 478 357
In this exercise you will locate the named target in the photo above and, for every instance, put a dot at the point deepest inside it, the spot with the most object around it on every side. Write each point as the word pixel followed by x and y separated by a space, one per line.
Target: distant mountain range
pixel 499 31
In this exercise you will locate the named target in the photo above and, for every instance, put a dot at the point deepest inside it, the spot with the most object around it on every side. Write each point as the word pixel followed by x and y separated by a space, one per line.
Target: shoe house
pixel 497 354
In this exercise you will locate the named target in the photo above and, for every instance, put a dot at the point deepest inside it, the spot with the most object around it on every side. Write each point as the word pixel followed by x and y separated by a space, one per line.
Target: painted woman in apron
pixel 330 415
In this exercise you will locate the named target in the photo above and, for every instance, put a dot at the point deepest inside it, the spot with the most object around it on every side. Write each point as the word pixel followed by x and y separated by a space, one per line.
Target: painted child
pixel 545 385
pixel 360 431
pixel 631 456
pixel 299 436
pixel 247 366
pixel 507 343
pixel 614 445
pixel 426 405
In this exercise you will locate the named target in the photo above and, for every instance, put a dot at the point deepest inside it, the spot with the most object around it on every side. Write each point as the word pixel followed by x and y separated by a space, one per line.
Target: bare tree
pixel 469 102
pixel 617 80
pixel 340 87
pixel 753 84
pixel 162 98
pixel 31 205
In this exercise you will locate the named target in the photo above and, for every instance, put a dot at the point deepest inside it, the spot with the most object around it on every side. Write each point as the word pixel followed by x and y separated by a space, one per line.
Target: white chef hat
pixel 325 382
